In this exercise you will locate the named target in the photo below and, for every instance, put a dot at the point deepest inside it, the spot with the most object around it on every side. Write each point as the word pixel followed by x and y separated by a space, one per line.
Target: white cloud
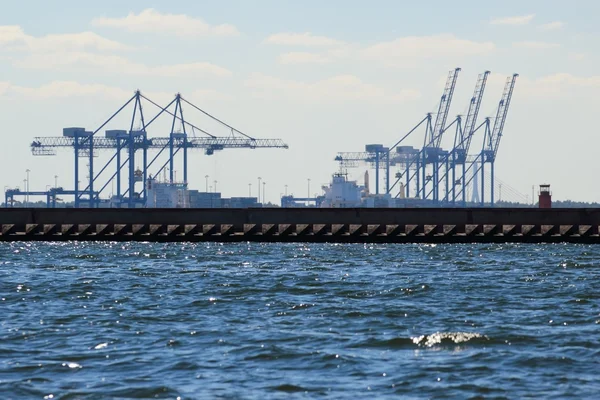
pixel 89 51
pixel 408 51
pixel 303 58
pixel 577 56
pixel 570 79
pixel 557 85
pixel 72 89
pixel 118 64
pixel 4 87
pixel 552 26
pixel 12 37
pixel 516 20
pixel 152 21
pixel 302 39
pixel 207 95
pixel 62 89
pixel 339 88
pixel 536 45
pixel 11 34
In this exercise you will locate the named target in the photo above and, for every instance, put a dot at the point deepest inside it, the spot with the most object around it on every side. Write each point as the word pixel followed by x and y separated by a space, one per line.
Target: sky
pixel 324 77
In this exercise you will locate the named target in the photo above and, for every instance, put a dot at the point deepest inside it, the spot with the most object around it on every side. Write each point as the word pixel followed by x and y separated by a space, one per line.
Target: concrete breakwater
pixel 336 225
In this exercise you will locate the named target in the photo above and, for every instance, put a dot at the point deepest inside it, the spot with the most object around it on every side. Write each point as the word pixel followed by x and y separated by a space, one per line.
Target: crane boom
pixel 444 108
pixel 496 134
pixel 353 159
pixel 42 146
pixel 474 106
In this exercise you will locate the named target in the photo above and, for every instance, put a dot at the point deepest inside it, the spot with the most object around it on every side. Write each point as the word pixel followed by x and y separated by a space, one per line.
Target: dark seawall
pixel 369 225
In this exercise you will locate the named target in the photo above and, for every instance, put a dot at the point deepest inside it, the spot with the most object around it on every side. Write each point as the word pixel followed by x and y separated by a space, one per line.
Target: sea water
pixel 209 320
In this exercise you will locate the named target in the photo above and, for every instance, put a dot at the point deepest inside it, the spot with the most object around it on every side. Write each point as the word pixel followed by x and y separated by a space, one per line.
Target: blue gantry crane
pixel 86 145
pixel 379 155
pixel 422 167
pixel 414 162
pixel 433 173
pixel 474 165
pixel 492 137
pixel 459 155
pixel 432 152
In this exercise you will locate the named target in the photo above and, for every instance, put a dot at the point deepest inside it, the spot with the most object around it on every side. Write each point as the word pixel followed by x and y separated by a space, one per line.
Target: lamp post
pixel 215 186
pixel 249 190
pixel 25 188
pixel 259 179
pixel 308 187
pixel 263 196
pixel 27 171
pixel 206 178
pixel 55 181
pixel 286 190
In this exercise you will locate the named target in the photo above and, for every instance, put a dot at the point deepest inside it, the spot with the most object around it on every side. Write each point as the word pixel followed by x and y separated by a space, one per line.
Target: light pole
pixel 264 184
pixel 55 181
pixel 308 187
pixel 259 178
pixel 206 178
pixel 27 171
pixel 249 190
pixel 286 190
pixel 215 186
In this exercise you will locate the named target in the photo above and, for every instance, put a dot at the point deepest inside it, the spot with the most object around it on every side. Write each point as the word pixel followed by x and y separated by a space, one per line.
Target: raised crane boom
pixel 443 109
pixel 503 106
pixel 475 104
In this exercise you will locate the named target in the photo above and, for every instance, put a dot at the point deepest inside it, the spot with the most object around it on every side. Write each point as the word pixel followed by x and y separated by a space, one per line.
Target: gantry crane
pixel 413 161
pixel 462 141
pixel 416 162
pixel 87 143
pixel 375 154
pixel 432 152
pixel 493 136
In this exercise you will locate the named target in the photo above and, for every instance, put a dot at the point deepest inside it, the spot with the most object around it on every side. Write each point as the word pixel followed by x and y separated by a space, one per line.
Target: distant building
pixel 204 199
pixel 241 202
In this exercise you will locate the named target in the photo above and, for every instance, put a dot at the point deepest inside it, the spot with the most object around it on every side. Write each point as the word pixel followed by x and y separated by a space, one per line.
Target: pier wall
pixel 304 224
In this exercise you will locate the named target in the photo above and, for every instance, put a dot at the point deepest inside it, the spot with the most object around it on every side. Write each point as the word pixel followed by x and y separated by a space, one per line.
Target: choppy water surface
pixel 107 320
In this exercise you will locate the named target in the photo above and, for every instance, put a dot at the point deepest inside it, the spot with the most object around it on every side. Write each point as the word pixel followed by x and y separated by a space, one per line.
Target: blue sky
pixel 324 76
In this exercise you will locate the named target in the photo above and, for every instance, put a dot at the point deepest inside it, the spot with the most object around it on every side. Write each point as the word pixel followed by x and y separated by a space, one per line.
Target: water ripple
pixel 142 320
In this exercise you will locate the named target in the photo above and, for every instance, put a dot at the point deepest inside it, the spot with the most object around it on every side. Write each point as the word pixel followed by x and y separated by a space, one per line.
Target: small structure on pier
pixel 545 196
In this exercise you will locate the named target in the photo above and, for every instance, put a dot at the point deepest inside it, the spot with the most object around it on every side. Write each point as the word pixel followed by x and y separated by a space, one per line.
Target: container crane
pixel 374 154
pixel 416 162
pixel 87 144
pixel 432 152
pixel 464 136
pixel 493 136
